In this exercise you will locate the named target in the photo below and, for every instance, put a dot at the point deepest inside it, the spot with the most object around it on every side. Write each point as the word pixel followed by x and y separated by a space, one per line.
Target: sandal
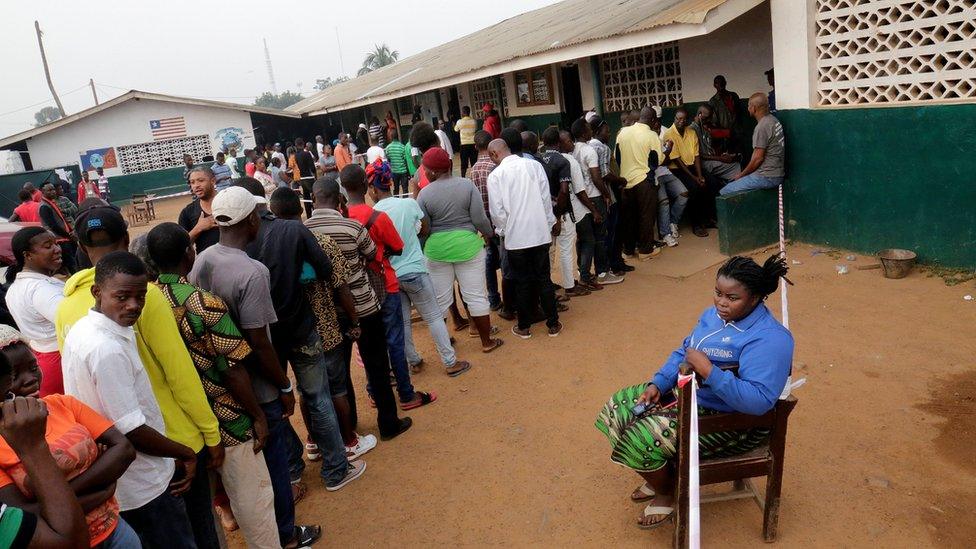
pixel 298 491
pixel 561 307
pixel 474 334
pixel 459 368
pixel 461 326
pixel 495 343
pixel 305 536
pixel 643 493
pixel 422 399
pixel 417 368
pixel 650 511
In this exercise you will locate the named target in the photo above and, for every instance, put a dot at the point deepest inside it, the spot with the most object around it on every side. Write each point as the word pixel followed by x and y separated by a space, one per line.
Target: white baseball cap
pixel 232 205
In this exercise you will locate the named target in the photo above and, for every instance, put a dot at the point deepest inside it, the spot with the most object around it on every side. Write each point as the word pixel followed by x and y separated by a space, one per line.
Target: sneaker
pixel 364 443
pixel 312 451
pixel 355 470
pixel 609 278
pixel 674 230
pixel 554 330
pixel 654 251
pixel 524 334
pixel 670 240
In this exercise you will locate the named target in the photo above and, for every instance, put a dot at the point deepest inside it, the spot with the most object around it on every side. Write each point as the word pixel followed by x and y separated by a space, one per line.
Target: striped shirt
pixel 358 249
pixel 396 153
pixel 466 126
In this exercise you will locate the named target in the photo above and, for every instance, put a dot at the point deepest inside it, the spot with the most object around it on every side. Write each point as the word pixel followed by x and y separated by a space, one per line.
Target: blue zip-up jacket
pixel 758 343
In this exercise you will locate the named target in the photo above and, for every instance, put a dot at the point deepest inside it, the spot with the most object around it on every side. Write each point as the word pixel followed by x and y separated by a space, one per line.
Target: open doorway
pixel 572 97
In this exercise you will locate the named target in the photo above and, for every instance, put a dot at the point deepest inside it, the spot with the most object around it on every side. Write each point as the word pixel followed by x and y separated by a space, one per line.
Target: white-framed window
pixel 158 155
pixel 638 77
pixel 873 52
pixel 485 90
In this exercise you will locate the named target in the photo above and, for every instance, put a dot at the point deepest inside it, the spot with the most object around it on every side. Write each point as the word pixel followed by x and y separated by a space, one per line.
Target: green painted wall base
pixel 747 221
pixel 869 179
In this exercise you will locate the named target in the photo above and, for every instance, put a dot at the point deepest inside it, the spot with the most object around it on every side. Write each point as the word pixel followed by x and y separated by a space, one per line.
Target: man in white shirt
pixel 445 139
pixel 319 144
pixel 102 368
pixel 374 151
pixel 521 210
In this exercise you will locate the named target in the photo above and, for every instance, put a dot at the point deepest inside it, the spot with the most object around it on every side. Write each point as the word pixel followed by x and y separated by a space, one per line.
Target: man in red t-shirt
pixel 27 211
pixel 388 242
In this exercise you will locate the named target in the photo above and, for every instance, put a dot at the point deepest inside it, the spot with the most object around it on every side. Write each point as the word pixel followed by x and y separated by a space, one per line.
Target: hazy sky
pixel 210 49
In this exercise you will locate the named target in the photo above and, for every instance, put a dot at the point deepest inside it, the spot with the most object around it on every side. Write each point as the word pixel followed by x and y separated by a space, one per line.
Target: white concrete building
pixel 140 132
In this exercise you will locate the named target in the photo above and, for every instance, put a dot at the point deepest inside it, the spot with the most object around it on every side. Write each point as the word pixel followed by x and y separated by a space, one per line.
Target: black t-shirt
pixel 306 164
pixel 188 219
pixel 557 170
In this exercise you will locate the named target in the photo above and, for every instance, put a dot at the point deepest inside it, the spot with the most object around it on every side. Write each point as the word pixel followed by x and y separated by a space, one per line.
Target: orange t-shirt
pixel 72 428
pixel 343 157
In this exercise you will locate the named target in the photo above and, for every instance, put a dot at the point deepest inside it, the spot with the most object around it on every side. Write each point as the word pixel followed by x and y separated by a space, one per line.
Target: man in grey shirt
pixel 767 167
pixel 245 285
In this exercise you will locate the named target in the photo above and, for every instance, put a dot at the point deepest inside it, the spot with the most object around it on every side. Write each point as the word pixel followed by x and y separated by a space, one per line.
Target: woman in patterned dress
pixel 737 329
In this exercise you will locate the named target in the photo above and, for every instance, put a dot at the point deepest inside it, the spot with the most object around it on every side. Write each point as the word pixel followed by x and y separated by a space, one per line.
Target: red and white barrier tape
pixel 694 498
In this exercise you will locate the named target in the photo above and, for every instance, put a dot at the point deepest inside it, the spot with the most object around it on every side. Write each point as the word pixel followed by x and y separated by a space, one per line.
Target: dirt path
pixel 881 447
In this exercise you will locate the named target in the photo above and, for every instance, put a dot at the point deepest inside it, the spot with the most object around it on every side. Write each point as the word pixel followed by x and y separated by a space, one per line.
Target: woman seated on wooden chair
pixel 737 329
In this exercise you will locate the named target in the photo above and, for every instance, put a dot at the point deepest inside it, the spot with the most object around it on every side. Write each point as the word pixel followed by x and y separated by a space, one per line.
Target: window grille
pixel 485 90
pixel 158 155
pixel 639 77
pixel 895 51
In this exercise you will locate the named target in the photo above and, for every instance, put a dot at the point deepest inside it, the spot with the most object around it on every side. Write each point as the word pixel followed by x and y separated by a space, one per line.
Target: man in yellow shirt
pixel 466 127
pixel 638 153
pixel 685 164
pixel 187 415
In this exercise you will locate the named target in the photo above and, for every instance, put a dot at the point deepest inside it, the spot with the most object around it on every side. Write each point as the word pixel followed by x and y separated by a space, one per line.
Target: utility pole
pixel 342 68
pixel 267 63
pixel 91 82
pixel 47 72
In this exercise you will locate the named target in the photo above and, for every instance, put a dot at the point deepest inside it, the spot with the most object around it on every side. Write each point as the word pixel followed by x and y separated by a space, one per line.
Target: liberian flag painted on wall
pixel 167 128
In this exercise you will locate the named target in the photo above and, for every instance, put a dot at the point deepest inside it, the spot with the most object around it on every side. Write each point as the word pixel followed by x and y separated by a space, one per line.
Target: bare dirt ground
pixel 881 448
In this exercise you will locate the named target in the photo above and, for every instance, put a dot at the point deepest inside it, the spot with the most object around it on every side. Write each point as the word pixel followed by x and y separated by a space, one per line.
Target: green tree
pixel 381 56
pixel 321 84
pixel 280 101
pixel 46 116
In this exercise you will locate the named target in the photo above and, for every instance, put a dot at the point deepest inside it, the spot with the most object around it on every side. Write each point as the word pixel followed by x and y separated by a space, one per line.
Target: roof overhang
pixel 710 21
pixel 138 95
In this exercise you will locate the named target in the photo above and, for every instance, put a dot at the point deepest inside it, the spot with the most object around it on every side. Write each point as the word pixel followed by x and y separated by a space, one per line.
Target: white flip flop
pixel 646 490
pixel 656 510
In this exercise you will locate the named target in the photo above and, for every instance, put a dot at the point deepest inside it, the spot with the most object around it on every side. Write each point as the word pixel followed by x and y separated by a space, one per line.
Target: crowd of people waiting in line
pixel 160 362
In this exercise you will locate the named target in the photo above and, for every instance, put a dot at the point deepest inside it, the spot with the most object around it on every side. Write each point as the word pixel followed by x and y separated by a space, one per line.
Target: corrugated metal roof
pixel 567 23
pixel 136 94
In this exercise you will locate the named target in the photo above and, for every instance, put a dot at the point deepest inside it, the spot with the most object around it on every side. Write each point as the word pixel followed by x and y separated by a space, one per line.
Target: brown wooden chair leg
pixel 774 483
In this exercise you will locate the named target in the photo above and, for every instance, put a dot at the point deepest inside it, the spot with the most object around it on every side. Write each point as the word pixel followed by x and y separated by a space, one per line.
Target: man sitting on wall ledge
pixel 724 166
pixel 767 167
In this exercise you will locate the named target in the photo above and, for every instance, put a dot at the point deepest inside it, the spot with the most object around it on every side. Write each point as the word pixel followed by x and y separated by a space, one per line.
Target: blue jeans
pixel 393 323
pixel 276 458
pixel 163 522
pixel 751 182
pixel 672 197
pixel 417 289
pixel 308 362
pixel 492 264
pixel 123 537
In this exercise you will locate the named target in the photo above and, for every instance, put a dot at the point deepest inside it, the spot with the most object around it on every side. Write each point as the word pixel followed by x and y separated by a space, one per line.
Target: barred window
pixel 895 51
pixel 485 90
pixel 638 77
pixel 158 155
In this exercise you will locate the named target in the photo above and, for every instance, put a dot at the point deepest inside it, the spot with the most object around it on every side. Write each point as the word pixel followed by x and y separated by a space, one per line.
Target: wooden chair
pixel 140 208
pixel 766 460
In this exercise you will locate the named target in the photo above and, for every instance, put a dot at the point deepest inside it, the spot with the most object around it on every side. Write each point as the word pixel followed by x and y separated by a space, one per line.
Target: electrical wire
pixel 43 102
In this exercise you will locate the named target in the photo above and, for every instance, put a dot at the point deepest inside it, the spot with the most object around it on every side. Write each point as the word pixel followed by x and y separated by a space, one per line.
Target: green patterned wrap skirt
pixel 647 443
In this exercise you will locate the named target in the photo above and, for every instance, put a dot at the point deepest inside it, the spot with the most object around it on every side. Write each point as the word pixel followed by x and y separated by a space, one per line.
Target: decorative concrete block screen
pixel 895 51
pixel 158 155
pixel 485 90
pixel 638 77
